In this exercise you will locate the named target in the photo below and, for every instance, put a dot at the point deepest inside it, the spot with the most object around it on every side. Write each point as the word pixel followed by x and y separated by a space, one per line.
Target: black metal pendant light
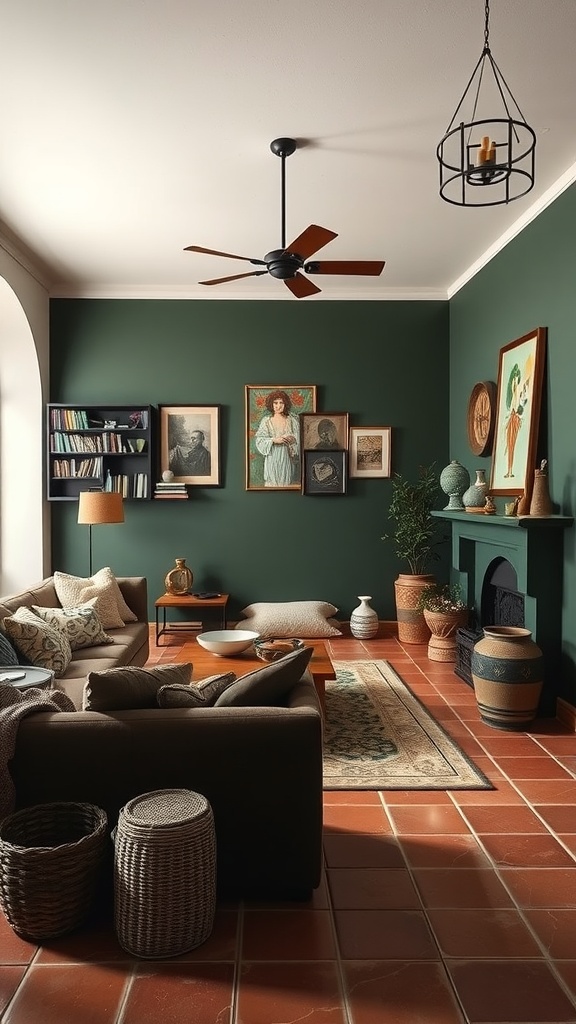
pixel 486 161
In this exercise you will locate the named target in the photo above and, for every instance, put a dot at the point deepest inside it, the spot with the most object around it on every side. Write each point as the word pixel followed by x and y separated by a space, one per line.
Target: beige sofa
pixel 260 767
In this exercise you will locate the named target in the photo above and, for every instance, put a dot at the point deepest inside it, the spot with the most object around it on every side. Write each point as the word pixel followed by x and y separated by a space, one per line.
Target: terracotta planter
pixel 412 628
pixel 443 626
pixel 507 671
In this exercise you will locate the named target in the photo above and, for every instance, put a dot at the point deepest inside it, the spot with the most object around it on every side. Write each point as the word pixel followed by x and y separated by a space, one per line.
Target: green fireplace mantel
pixel 534 546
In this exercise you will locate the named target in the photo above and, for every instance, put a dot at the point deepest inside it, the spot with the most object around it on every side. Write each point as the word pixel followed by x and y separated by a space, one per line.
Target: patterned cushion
pixel 81 625
pixel 111 608
pixel 120 689
pixel 306 619
pixel 269 685
pixel 8 655
pixel 39 643
pixel 198 695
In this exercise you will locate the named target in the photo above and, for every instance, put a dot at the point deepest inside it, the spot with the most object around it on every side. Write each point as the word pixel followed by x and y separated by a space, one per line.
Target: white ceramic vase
pixel 364 620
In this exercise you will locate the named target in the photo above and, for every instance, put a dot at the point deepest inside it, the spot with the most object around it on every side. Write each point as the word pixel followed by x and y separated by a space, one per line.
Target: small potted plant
pixel 444 611
pixel 415 539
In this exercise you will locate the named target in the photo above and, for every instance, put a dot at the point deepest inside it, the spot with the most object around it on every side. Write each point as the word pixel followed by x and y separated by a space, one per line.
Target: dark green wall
pixel 531 283
pixel 386 363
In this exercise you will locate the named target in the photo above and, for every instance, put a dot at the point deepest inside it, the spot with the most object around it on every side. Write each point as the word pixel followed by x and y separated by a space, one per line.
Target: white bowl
pixel 225 642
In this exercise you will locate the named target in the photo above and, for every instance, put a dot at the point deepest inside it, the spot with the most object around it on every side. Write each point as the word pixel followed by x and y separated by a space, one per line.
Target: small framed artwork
pixel 325 430
pixel 190 443
pixel 273 447
pixel 324 472
pixel 520 376
pixel 369 450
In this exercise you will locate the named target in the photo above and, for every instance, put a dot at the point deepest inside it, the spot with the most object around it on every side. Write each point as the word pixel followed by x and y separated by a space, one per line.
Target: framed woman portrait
pixel 520 376
pixel 190 443
pixel 369 450
pixel 273 447
pixel 324 472
pixel 325 430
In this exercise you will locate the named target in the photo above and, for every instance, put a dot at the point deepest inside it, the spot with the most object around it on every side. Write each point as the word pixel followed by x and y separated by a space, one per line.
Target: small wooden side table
pixel 190 602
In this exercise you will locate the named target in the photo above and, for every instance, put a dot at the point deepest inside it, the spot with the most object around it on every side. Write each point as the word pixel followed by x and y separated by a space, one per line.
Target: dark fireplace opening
pixel 501 605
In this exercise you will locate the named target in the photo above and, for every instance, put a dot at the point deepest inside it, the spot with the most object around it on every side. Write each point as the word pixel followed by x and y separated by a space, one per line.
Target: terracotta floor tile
pixel 180 993
pixel 372 889
pixel 13 949
pixel 559 817
pixel 570 842
pixel 318 901
pixel 398 986
pixel 556 929
pixel 503 819
pixel 90 943
pixel 221 944
pixel 338 819
pixel 69 994
pixel 10 978
pixel 542 887
pixel 482 933
pixel 527 851
pixel 472 889
pixel 347 796
pixel 532 768
pixel 375 851
pixel 288 992
pixel 510 744
pixel 287 935
pixel 553 791
pixel 503 793
pixel 559 744
pixel 567 971
pixel 455 851
pixel 522 991
pixel 568 762
pixel 384 935
pixel 420 819
pixel 407 797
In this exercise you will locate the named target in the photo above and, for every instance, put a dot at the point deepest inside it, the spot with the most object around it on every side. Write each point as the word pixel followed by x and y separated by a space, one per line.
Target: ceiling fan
pixel 287 262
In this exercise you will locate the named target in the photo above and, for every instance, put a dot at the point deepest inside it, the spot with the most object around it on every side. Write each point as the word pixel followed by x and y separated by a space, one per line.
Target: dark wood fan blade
pixel 312 239
pixel 369 268
pixel 235 277
pixel 229 255
pixel 300 286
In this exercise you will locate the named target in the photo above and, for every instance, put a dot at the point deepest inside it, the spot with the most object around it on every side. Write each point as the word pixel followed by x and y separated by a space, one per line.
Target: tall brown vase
pixel 541 504
pixel 412 628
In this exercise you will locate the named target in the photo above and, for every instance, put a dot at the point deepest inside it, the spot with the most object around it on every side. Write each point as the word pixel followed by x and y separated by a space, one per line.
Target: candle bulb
pixel 486 152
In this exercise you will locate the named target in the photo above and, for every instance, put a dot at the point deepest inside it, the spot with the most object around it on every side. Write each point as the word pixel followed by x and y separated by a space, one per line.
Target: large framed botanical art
pixel 370 451
pixel 190 443
pixel 520 376
pixel 273 449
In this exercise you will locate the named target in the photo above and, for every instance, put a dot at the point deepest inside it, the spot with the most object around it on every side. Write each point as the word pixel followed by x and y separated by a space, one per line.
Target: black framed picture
pixel 190 443
pixel 324 472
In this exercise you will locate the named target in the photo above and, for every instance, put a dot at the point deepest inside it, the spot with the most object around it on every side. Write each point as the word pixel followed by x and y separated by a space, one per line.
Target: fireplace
pixel 510 570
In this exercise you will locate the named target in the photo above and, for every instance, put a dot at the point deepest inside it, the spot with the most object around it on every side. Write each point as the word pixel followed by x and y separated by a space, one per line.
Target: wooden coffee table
pixel 207 664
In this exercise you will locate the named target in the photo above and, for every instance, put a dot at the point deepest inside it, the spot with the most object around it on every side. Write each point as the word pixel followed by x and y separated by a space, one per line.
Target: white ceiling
pixel 130 129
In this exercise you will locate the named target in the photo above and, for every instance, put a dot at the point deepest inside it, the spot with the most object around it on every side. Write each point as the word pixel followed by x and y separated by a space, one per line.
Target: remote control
pixel 206 595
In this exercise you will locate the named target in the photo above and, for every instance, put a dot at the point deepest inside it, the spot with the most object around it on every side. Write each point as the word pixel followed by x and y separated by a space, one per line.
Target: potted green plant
pixel 444 612
pixel 415 539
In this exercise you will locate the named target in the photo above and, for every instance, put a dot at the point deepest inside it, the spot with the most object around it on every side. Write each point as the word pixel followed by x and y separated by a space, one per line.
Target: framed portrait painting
pixel 325 430
pixel 324 471
pixel 520 376
pixel 273 446
pixel 369 450
pixel 190 443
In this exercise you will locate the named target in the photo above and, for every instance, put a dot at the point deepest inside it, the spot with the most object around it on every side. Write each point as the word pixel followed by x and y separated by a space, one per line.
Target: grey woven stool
pixel 164 873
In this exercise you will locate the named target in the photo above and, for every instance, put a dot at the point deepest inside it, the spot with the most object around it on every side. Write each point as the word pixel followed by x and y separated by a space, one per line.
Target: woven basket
pixel 50 860
pixel 164 873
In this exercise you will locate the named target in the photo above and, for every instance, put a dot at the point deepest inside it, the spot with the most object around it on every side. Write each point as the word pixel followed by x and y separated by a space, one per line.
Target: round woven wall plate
pixel 482 417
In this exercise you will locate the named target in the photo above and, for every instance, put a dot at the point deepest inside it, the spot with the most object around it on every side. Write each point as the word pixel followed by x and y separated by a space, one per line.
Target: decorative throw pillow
pixel 8 655
pixel 111 608
pixel 269 685
pixel 306 619
pixel 127 687
pixel 81 625
pixel 198 695
pixel 38 642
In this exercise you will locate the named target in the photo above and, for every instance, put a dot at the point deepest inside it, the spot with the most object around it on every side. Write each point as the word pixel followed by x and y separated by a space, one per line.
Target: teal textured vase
pixel 475 496
pixel 454 480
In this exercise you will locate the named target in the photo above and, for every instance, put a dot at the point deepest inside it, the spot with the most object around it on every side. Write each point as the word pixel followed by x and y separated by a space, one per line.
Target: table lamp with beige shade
pixel 95 508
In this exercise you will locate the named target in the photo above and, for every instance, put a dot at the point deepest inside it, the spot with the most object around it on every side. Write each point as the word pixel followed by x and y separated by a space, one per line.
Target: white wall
pixel 24 364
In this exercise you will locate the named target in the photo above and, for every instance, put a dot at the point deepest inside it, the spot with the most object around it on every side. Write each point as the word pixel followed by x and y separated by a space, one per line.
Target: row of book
pixel 107 442
pixel 172 490
pixel 135 486
pixel 77 467
pixel 69 419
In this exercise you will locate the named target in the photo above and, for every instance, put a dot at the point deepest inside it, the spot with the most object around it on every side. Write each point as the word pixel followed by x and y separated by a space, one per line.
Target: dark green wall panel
pixel 384 363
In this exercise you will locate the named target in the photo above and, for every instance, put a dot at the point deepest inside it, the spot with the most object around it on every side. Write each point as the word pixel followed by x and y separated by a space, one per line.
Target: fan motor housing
pixel 282 264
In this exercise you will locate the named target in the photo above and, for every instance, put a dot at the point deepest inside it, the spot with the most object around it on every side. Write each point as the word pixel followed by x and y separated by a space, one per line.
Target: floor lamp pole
pixel 90 549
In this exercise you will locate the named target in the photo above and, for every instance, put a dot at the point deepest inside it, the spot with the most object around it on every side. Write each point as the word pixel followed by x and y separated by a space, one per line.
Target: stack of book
pixel 170 490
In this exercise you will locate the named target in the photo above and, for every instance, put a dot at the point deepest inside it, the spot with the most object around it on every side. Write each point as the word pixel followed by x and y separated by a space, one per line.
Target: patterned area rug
pixel 379 736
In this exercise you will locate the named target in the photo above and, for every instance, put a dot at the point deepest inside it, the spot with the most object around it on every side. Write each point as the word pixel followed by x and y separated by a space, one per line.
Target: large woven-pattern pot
pixel 412 628
pixel 443 626
pixel 507 671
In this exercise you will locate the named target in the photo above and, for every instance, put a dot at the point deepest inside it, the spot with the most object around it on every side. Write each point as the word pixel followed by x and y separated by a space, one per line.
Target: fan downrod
pixel 283 147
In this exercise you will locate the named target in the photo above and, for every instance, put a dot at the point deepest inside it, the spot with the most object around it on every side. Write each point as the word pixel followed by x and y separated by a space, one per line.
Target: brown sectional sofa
pixel 260 767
